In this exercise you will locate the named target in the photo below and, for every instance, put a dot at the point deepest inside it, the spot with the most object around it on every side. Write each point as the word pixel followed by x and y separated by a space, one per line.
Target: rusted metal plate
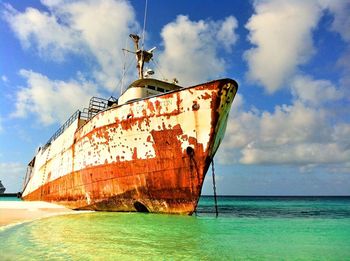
pixel 148 155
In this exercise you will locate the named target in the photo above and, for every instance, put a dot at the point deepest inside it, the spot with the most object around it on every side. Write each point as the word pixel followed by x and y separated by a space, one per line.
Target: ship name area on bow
pixel 162 103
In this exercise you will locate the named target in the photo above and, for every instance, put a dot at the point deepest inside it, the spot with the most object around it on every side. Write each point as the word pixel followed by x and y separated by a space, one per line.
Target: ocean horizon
pixel 248 228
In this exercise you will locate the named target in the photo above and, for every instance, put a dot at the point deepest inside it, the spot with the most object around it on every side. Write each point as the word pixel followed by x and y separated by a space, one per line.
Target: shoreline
pixel 18 212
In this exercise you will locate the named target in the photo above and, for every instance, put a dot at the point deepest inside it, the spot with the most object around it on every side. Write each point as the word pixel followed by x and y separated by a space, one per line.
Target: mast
pixel 142 56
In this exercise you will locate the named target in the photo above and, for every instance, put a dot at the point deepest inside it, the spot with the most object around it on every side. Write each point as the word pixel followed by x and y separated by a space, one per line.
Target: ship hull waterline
pixel 149 155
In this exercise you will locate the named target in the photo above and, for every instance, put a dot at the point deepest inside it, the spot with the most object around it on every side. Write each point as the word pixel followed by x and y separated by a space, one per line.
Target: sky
pixel 289 127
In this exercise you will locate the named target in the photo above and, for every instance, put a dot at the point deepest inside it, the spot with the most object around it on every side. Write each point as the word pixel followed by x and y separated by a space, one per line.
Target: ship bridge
pixel 146 87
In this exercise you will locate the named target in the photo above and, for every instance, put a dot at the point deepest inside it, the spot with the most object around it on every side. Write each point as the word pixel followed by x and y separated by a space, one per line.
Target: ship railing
pixel 76 115
pixel 84 114
pixel 96 105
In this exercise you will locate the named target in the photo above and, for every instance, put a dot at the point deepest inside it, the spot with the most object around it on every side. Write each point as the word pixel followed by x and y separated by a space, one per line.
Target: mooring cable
pixel 214 187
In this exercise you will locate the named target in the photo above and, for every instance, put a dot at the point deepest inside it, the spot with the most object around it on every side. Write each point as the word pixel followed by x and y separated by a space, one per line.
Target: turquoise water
pixel 248 228
pixel 9 199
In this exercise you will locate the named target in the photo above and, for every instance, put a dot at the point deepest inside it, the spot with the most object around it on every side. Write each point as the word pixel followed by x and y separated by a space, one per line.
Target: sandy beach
pixel 12 212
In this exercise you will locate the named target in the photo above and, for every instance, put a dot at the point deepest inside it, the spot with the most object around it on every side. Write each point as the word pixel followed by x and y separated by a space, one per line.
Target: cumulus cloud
pixel 100 29
pixel 43 31
pixel 341 22
pixel 104 27
pixel 191 48
pixel 343 63
pixel 51 100
pixel 297 154
pixel 303 132
pixel 281 35
pixel 312 129
pixel 97 28
pixel 226 35
pixel 313 91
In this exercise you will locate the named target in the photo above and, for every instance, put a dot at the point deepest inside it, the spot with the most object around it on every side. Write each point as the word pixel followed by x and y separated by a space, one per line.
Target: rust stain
pixel 170 182
pixel 134 154
pixel 206 96
pixel 172 187
pixel 158 107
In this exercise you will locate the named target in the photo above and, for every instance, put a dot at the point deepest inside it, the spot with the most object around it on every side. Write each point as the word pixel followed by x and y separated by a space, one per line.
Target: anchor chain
pixel 214 187
pixel 190 153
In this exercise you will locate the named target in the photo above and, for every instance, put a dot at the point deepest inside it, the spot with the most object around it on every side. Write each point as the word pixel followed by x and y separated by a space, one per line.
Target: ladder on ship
pixel 44 172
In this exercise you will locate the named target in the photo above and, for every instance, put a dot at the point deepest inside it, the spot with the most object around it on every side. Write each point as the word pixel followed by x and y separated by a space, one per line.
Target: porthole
pixel 195 107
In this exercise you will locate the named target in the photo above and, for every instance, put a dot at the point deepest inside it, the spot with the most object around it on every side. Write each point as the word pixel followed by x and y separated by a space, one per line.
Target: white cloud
pixel 341 135
pixel 281 32
pixel 226 35
pixel 302 132
pixel 99 28
pixel 191 48
pixel 341 22
pixel 313 91
pixel 305 132
pixel 43 31
pixel 344 64
pixel 52 101
pixel 313 153
pixel 312 129
pixel 104 27
pixel 10 174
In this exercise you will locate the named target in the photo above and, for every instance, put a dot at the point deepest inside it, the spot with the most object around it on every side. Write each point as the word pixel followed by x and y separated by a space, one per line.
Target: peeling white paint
pixel 104 139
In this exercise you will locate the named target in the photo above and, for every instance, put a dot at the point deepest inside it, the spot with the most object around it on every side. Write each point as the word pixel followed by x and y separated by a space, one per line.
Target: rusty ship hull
pixel 149 155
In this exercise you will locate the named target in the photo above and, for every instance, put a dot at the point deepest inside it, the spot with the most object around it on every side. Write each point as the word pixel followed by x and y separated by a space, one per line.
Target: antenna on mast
pixel 124 69
pixel 144 25
pixel 142 56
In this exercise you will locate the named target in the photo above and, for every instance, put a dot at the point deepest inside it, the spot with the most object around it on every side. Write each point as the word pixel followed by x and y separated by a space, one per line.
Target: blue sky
pixel 289 127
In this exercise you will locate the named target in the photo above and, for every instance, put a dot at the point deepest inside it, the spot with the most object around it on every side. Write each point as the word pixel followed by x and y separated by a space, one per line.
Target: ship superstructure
pixel 147 151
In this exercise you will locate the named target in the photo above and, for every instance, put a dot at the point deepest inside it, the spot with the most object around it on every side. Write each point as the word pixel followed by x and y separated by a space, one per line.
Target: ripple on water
pixel 245 229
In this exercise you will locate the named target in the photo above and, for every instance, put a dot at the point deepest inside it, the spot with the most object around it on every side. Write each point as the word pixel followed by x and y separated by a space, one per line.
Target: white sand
pixel 13 212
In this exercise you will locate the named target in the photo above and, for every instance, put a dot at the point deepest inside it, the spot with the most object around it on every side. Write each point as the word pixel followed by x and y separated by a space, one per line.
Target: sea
pixel 247 228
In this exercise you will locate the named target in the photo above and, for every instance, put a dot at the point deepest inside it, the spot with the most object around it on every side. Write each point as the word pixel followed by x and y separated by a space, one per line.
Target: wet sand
pixel 13 212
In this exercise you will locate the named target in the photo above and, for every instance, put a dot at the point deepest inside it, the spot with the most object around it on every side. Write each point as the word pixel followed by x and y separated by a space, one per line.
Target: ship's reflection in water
pixel 140 236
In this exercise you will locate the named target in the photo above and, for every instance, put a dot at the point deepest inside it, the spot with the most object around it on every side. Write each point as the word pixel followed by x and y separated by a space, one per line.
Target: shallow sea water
pixel 248 228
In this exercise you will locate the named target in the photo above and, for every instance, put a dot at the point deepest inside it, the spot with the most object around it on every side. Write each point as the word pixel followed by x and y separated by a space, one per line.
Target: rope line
pixel 214 187
pixel 131 61
pixel 144 26
pixel 158 68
